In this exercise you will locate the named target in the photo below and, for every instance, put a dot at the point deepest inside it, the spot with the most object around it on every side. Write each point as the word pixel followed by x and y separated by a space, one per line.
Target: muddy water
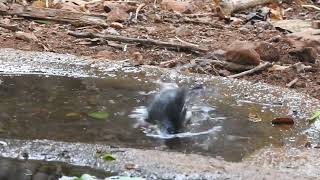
pixel 56 108
pixel 13 169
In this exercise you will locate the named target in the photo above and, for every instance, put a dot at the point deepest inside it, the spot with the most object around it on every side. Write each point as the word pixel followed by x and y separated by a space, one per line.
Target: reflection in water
pixel 39 107
pixel 13 169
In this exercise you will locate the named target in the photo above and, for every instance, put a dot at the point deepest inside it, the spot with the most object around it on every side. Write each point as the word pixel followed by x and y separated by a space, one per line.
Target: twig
pixel 260 67
pixel 195 21
pixel 10 27
pixel 227 65
pixel 182 41
pixel 155 4
pixel 144 42
pixel 137 11
pixel 311 6
pixel 291 83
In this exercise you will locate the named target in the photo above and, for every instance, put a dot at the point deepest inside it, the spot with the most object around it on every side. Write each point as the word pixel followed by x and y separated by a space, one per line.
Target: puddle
pixel 13 169
pixel 56 108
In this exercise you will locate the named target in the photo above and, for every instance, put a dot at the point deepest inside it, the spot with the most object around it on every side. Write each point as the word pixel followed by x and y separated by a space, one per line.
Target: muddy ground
pixel 164 25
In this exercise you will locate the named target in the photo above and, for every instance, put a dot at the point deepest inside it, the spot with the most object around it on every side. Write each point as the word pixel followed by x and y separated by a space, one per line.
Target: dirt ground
pixel 160 24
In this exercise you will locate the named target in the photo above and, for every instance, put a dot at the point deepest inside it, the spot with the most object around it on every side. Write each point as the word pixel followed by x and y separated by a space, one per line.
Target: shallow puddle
pixel 13 169
pixel 56 108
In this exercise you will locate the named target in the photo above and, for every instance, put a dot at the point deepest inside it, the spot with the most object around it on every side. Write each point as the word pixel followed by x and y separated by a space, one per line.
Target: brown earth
pixel 160 24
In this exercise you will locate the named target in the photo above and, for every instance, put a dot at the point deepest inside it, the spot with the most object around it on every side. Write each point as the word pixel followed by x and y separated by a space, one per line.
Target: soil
pixel 217 35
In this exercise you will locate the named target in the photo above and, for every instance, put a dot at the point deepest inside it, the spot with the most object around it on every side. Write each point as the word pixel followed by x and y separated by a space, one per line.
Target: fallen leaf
pixel 38 4
pixel 108 157
pixel 282 120
pixel 254 117
pixel 99 115
pixel 278 68
pixel 314 117
pixel 72 114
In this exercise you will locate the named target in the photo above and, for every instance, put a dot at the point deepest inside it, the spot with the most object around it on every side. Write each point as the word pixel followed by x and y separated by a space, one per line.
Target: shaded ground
pixel 216 36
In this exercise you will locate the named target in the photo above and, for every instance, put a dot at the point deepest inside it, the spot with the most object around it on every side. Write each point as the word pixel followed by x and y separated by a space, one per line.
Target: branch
pixel 57 15
pixel 185 47
pixel 10 27
pixel 260 67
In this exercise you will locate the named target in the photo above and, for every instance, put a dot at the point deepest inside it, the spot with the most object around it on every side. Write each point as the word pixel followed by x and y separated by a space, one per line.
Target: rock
pixel 117 15
pixel 307 38
pixel 111 31
pixel 178 6
pixel 315 24
pixel 305 54
pixel 242 52
pixel 224 73
pixel 117 12
pixel 267 51
pixel 292 25
pixel 28 37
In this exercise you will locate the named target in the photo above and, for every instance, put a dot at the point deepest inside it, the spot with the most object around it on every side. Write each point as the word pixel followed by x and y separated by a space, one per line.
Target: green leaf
pixel 314 117
pixel 108 157
pixel 99 115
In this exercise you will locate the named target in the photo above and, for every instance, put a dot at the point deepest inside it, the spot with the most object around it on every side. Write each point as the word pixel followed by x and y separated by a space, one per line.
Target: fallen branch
pixel 75 18
pixel 311 6
pixel 227 65
pixel 182 47
pixel 258 68
pixel 138 10
pixel 225 8
pixel 291 83
pixel 10 27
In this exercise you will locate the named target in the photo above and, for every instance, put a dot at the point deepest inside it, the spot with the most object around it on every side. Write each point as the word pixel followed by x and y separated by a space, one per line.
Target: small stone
pixel 111 31
pixel 224 73
pixel 157 18
pixel 244 30
pixel 151 30
pixel 117 12
pixel 178 6
pixel 305 54
pixel 117 25
pixel 28 37
pixel 137 58
pixel 130 166
pixel 267 51
pixel 275 39
pixel 300 84
pixel 183 31
pixel 242 52
pixel 315 24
